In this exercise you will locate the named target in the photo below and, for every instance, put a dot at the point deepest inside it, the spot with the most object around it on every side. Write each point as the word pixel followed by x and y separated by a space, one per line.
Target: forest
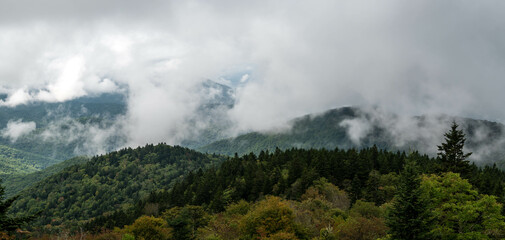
pixel 164 192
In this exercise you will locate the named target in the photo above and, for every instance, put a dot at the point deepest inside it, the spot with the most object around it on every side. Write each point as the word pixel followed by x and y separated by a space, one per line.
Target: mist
pixel 283 59
pixel 17 128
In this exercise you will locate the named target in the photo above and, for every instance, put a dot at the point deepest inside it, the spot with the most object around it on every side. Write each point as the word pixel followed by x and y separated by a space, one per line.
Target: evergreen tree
pixel 7 223
pixel 409 216
pixel 451 154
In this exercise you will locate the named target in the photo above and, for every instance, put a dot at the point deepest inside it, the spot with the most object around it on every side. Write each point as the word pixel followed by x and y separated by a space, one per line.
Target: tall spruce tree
pixel 451 154
pixel 409 216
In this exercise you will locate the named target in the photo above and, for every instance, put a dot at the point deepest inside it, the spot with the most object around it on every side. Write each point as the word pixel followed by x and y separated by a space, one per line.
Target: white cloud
pixel 17 128
pixel 305 56
pixel 19 96
pixel 244 78
pixel 357 129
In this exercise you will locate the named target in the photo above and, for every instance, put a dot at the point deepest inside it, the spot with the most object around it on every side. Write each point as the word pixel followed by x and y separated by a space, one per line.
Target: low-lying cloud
pixel 291 58
pixel 17 128
pixel 486 140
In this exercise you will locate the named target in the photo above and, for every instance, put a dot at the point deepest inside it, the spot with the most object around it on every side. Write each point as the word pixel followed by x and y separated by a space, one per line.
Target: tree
pixel 269 218
pixel 409 217
pixel 459 211
pixel 185 221
pixel 451 153
pixel 7 223
pixel 149 228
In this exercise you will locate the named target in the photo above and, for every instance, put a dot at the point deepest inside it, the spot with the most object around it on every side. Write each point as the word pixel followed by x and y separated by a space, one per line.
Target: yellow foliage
pixel 149 228
pixel 267 218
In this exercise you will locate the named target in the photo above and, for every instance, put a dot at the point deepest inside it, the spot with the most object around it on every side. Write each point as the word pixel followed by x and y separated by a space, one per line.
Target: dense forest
pixel 16 162
pixel 164 192
pixel 15 183
pixel 107 183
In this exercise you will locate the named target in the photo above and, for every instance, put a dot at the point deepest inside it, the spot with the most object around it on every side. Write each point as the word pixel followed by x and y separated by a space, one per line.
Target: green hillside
pixel 319 194
pixel 319 131
pixel 13 161
pixel 15 183
pixel 108 182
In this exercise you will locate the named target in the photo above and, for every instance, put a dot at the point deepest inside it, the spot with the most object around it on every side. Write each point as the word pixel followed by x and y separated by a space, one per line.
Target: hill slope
pixel 321 131
pixel 107 183
pixel 351 127
pixel 53 120
pixel 13 161
pixel 15 183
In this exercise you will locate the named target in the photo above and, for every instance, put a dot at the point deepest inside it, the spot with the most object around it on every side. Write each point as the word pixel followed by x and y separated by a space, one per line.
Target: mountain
pixel 59 131
pixel 54 123
pixel 108 182
pixel 68 129
pixel 15 183
pixel 210 121
pixel 43 113
pixel 13 161
pixel 352 127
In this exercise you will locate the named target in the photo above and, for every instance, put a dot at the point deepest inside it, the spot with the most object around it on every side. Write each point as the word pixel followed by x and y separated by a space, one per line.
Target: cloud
pixel 356 129
pixel 486 140
pixel 244 78
pixel 17 128
pixel 428 57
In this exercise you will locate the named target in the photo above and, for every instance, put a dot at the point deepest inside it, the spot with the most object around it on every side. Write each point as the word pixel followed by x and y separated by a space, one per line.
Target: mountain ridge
pixel 353 127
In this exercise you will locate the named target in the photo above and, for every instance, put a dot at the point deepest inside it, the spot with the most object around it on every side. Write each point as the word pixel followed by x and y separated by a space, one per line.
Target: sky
pixel 287 58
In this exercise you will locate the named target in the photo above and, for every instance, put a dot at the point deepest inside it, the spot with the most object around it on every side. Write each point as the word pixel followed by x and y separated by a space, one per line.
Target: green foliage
pixel 324 131
pixel 459 211
pixel 409 216
pixel 16 183
pixel 284 173
pixel 9 223
pixel 366 209
pixel 149 228
pixel 127 236
pixel 362 228
pixel 321 131
pixel 17 162
pixel 451 153
pixel 185 221
pixel 269 219
pixel 107 183
pixel 239 208
pixel 323 190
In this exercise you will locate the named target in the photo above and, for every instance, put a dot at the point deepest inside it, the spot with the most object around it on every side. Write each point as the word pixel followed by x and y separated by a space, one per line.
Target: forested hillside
pixel 342 194
pixel 13 161
pixel 16 182
pixel 334 128
pixel 164 192
pixel 108 182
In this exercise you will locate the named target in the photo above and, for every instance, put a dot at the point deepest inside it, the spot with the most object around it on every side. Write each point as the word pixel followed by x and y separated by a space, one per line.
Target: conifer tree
pixel 451 154
pixel 7 223
pixel 409 216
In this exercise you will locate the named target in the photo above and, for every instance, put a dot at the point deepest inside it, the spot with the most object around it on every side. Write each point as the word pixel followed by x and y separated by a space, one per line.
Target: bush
pixel 149 228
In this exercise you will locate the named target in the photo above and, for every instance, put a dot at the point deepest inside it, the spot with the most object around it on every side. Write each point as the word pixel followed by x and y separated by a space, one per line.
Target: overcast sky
pixel 409 57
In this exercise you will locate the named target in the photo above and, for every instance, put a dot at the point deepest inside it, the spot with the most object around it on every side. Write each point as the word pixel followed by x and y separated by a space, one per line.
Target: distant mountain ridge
pixel 50 118
pixel 352 127
pixel 15 183
pixel 13 161
pixel 62 129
